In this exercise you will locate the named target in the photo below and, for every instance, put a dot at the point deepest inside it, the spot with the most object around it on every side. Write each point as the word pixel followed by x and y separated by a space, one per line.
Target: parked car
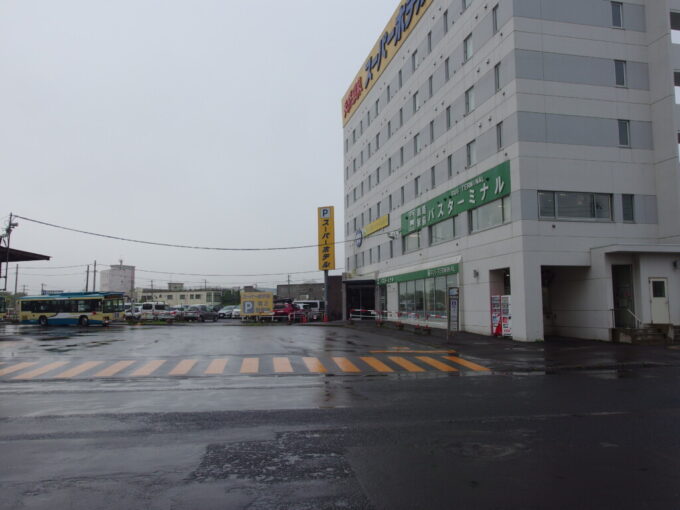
pixel 236 313
pixel 203 313
pixel 314 307
pixel 177 312
pixel 225 313
pixel 288 311
pixel 133 312
pixel 155 311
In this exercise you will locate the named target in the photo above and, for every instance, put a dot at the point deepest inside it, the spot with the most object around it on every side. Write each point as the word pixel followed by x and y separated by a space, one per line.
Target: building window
pixel 416 144
pixel 448 117
pixel 362 220
pixel 370 182
pixel 490 215
pixel 377 106
pixel 415 101
pixel 465 4
pixel 401 156
pixel 377 176
pixel 354 222
pixel 378 254
pixel 411 242
pixel 377 141
pixel 370 214
pixel 431 131
pixel 362 188
pixel 467 48
pixel 389 166
pixel 499 136
pixel 169 297
pixel 346 145
pixel 628 208
pixel 445 19
pixel 676 81
pixel 469 100
pixel 447 70
pixel 377 210
pixel 497 77
pixel 430 89
pixel 620 72
pixel 403 195
pixel 442 231
pixel 399 80
pixel 361 127
pixel 471 153
pixel 354 194
pixel 368 118
pixel 369 149
pixel 449 165
pixel 494 18
pixel 391 249
pixel 401 117
pixel 182 297
pixel 388 94
pixel 390 204
pixel 361 158
pixel 354 136
pixel 624 133
pixel 416 185
pixel 389 128
pixel 574 205
pixel 198 296
pixel 617 14
pixel 433 182
pixel 675 27
pixel 414 60
pixel 429 42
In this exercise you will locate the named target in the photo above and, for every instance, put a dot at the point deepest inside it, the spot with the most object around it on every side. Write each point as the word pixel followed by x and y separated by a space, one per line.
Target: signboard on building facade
pixel 486 187
pixel 326 243
pixel 400 26
pixel 256 304
pixel 379 224
pixel 419 275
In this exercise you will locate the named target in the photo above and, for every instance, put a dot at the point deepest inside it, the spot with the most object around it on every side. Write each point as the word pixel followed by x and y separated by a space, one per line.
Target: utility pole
pixel 94 277
pixel 16 280
pixel 8 235
pixel 87 278
pixel 288 286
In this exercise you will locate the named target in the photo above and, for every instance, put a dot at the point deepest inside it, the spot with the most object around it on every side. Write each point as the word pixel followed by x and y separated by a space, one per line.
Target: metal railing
pixel 625 312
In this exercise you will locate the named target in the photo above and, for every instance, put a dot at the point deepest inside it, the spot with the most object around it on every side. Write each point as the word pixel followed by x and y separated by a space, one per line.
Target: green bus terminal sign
pixel 486 187
pixel 420 275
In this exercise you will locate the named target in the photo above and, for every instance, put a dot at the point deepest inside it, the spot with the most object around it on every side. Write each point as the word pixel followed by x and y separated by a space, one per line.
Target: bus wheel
pixel 83 321
pixel 42 320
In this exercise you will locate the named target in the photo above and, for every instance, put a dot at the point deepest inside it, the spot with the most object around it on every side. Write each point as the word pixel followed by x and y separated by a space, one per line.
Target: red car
pixel 288 311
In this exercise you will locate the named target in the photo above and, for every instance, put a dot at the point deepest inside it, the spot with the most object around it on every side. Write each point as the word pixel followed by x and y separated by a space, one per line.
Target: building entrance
pixel 624 297
pixel 360 300
pixel 658 291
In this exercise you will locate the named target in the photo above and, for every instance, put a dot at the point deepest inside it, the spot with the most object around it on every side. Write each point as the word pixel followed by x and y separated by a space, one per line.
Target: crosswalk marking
pixel 41 370
pixel 183 367
pixel 17 367
pixel 467 364
pixel 119 366
pixel 376 364
pixel 149 368
pixel 346 365
pixel 250 365
pixel 404 363
pixel 437 364
pixel 314 365
pixel 255 365
pixel 282 366
pixel 77 370
pixel 216 367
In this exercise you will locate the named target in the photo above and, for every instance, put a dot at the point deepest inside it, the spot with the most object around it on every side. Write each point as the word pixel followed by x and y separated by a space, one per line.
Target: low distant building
pixel 118 278
pixel 176 294
pixel 300 291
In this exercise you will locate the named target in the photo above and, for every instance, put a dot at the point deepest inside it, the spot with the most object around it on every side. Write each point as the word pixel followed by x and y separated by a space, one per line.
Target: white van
pixel 314 308
pixel 155 311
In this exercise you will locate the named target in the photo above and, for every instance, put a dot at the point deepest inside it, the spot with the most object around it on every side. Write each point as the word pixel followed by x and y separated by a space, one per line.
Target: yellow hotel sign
pixel 326 238
pixel 400 26
pixel 376 225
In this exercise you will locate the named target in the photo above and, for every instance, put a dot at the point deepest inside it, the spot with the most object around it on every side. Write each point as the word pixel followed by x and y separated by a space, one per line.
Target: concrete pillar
pixel 527 298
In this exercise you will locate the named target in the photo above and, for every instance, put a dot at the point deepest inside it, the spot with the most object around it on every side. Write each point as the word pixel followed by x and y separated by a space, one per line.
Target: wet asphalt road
pixel 239 438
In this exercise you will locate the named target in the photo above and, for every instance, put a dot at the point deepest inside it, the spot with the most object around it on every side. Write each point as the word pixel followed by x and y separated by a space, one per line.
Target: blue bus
pixel 82 308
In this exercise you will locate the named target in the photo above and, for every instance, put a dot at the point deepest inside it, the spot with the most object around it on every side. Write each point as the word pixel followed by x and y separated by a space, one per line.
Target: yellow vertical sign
pixel 326 238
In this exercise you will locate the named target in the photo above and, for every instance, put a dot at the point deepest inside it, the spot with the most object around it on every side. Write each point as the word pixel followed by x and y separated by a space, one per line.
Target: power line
pixel 170 245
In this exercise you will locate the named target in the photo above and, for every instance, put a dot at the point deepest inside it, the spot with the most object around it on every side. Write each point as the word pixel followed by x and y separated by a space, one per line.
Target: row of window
pixel 468 52
pixel 582 206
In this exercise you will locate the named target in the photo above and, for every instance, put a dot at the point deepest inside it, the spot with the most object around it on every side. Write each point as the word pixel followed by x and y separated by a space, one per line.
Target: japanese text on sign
pixel 397 31
pixel 487 187
pixel 326 238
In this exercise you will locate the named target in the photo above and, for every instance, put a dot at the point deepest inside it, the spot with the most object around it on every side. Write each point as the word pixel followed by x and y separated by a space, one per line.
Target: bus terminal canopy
pixel 12 255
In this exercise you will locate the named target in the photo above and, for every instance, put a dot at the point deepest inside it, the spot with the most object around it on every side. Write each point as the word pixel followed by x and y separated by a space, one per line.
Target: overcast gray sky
pixel 203 122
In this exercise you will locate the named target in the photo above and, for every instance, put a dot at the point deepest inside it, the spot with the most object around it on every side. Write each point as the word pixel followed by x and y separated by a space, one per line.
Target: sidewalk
pixel 555 354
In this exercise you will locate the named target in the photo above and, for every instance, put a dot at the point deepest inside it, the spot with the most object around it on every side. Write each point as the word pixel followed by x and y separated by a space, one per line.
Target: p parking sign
pixel 326 238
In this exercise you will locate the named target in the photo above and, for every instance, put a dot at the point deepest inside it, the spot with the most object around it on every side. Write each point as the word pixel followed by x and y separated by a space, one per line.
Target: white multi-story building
pixel 526 148
pixel 118 278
